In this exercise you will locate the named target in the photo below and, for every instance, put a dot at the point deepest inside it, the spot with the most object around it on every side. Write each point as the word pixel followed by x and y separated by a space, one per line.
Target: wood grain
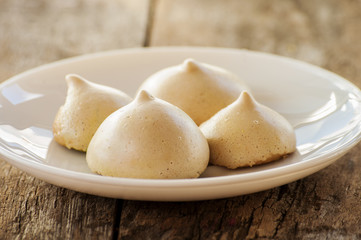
pixel 325 205
pixel 37 32
pixel 32 209
pixel 322 206
pixel 325 33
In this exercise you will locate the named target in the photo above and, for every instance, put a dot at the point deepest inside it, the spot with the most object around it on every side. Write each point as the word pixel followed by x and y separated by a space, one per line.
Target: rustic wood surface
pixel 327 33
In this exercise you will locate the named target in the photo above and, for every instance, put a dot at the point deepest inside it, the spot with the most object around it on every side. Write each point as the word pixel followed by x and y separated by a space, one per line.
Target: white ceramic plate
pixel 323 107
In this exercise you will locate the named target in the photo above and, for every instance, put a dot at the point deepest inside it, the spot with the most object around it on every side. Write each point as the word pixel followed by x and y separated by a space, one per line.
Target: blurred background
pixel 322 32
pixel 327 33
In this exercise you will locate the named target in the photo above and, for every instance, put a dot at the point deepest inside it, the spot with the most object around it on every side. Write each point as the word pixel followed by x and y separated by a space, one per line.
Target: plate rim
pixel 180 183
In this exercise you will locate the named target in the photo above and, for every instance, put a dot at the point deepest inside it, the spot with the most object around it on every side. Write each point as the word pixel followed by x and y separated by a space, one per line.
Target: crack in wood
pixel 322 206
pixel 150 21
pixel 290 204
pixel 117 217
pixel 249 222
pixel 223 216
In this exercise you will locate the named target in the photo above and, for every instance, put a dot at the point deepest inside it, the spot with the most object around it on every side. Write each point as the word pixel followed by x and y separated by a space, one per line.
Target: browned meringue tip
pixel 144 96
pixel 246 99
pixel 190 65
pixel 75 79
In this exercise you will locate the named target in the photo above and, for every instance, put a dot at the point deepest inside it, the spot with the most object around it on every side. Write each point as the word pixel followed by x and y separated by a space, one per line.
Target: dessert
pixel 247 133
pixel 86 105
pixel 149 138
pixel 197 88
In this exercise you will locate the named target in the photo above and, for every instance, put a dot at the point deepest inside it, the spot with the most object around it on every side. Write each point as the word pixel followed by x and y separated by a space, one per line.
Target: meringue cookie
pixel 149 138
pixel 87 104
pixel 247 133
pixel 197 88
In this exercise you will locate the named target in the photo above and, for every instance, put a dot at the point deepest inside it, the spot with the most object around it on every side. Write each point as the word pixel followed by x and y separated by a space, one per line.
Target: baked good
pixel 86 105
pixel 148 138
pixel 197 88
pixel 247 133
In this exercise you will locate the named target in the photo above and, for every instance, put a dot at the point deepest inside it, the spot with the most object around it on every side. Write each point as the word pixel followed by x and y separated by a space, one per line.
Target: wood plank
pixel 322 206
pixel 37 32
pixel 33 209
pixel 322 33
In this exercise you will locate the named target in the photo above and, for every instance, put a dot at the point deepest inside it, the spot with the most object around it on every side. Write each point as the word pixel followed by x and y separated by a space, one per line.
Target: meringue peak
pixel 246 100
pixel 190 65
pixel 74 79
pixel 144 96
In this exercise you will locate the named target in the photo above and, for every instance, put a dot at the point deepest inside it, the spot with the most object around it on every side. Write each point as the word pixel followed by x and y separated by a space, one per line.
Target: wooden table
pixel 327 33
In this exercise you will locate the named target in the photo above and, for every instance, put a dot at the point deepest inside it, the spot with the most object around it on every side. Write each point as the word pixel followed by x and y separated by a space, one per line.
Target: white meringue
pixel 87 104
pixel 197 88
pixel 247 133
pixel 148 138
